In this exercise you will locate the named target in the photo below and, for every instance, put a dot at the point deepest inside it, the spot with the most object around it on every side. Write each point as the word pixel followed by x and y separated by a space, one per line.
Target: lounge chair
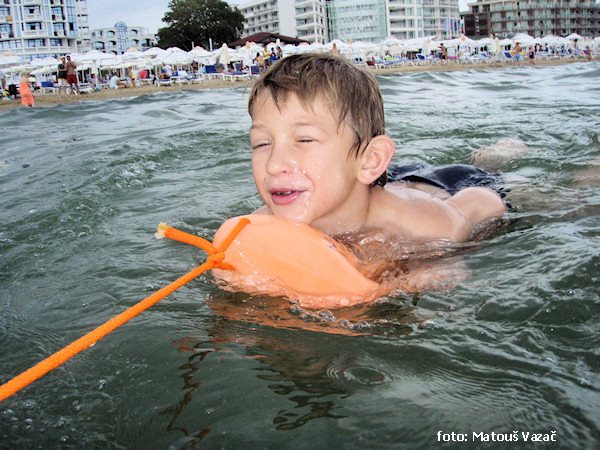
pixel 85 88
pixel 47 86
pixel 254 71
pixel 163 82
pixel 210 71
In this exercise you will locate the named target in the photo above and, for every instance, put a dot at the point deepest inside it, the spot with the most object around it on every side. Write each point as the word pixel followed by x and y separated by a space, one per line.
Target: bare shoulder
pixel 416 215
pixel 478 203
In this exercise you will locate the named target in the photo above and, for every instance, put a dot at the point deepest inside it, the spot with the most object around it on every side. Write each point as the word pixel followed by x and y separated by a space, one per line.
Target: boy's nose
pixel 280 160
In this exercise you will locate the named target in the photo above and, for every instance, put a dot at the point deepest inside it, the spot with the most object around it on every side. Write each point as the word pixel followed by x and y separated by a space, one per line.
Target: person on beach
pixel 531 54
pixel 61 76
pixel 444 53
pixel 25 91
pixel 116 83
pixel 260 62
pixel 72 75
pixel 320 156
pixel 334 50
pixel 517 55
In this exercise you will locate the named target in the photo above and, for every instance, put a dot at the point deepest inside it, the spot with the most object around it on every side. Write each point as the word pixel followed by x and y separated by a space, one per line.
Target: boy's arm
pixel 475 205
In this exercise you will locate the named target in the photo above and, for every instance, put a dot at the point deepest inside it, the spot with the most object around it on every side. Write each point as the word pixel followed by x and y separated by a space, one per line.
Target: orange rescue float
pixel 276 256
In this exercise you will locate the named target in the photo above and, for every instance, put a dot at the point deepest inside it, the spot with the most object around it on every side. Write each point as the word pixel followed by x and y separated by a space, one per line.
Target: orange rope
pixel 214 260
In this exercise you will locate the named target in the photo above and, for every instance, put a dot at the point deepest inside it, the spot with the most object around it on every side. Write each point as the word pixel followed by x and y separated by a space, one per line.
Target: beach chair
pixel 47 86
pixel 210 71
pixel 422 60
pixel 163 82
pixel 254 71
pixel 182 77
pixel 85 88
pixel 197 77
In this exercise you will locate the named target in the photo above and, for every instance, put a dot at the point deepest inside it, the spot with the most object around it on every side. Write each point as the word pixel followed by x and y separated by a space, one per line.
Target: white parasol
pixel 224 55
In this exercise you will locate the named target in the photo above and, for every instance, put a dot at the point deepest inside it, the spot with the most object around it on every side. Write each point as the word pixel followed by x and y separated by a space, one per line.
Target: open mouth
pixel 284 197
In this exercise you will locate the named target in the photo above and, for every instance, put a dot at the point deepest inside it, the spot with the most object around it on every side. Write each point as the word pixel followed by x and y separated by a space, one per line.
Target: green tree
pixel 194 22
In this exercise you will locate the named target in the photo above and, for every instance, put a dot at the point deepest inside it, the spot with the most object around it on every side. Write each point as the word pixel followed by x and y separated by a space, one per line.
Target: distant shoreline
pixel 51 99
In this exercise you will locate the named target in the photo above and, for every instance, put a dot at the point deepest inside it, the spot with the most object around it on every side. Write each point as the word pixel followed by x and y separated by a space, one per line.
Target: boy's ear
pixel 376 159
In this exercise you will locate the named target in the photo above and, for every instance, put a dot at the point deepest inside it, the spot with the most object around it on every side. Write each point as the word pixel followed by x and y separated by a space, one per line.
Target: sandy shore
pixel 50 99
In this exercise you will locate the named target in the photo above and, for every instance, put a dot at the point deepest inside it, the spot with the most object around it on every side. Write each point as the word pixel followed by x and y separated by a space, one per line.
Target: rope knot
pixel 217 258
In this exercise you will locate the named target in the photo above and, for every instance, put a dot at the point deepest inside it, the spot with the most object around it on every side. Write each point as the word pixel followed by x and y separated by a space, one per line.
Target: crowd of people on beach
pixel 68 78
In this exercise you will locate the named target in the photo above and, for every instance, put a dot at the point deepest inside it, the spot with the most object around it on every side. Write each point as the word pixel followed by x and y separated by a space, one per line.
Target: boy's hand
pixel 444 275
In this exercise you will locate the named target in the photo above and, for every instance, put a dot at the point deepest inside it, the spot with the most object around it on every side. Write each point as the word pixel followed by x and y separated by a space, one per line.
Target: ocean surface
pixel 511 353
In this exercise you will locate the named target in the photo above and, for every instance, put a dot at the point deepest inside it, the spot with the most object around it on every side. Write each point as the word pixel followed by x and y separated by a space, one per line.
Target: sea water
pixel 509 354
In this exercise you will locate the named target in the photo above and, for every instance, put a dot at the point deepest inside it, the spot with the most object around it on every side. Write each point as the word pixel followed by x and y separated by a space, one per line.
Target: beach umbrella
pixel 574 37
pixel 153 52
pixel 92 55
pixel 496 48
pixel 9 60
pixel 224 55
pixel 485 42
pixel 48 61
pixel 175 57
pixel 199 52
pixel 131 54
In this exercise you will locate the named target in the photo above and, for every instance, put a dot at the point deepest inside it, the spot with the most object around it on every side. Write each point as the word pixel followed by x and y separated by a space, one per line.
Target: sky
pixel 135 13
pixel 144 13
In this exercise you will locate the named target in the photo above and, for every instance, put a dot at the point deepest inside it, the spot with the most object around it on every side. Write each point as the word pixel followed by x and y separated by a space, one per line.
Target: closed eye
pixel 259 145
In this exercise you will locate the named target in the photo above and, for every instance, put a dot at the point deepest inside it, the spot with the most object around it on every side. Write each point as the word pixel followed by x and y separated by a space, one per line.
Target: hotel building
pixel 365 20
pixel 41 28
pixel 120 38
pixel 537 18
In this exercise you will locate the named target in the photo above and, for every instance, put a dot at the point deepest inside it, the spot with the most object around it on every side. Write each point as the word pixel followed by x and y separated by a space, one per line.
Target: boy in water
pixel 320 156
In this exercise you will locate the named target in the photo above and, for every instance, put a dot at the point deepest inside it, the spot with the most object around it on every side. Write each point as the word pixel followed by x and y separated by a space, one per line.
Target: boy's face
pixel 301 163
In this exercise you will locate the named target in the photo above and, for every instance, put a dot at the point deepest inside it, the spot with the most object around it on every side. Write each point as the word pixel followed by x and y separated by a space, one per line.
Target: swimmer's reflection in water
pixel 309 358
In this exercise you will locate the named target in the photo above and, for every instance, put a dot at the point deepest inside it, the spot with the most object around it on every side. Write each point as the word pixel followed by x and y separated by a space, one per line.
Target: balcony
pixel 36 17
pixel 33 33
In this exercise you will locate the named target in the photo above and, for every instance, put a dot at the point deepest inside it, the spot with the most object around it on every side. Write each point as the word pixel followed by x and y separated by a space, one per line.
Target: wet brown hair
pixel 351 93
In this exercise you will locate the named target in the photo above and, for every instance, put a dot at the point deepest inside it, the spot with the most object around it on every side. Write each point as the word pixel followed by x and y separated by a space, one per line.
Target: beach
pixel 50 99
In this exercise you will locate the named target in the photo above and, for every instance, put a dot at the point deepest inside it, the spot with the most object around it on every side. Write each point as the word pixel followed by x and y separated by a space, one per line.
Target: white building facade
pixel 364 20
pixel 43 28
pixel 311 20
pixel 270 16
pixel 357 20
pixel 304 19
pixel 410 19
pixel 120 38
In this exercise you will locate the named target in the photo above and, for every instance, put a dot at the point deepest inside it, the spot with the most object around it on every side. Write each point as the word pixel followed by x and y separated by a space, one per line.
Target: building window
pixel 32 43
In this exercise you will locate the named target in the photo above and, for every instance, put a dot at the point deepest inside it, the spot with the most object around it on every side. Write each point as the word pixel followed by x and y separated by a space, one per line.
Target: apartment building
pixel 304 19
pixel 41 28
pixel 311 20
pixel 357 20
pixel 364 20
pixel 537 18
pixel 120 38
pixel 410 19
